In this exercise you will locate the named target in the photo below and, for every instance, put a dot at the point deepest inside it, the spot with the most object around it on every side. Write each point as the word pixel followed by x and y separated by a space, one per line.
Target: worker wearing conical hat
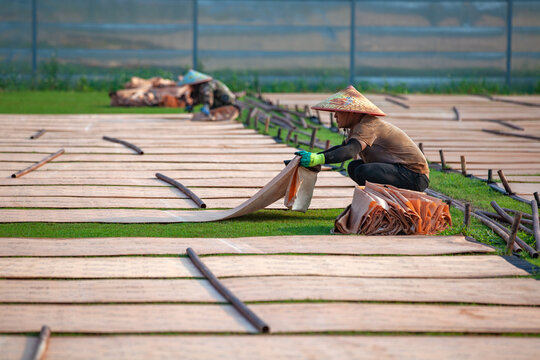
pixel 205 90
pixel 387 154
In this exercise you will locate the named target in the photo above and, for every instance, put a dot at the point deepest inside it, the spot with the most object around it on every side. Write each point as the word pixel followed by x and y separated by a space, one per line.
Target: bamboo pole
pixel 327 145
pixel 513 234
pixel 38 134
pixel 279 133
pixel 496 227
pixel 43 343
pixel 197 200
pixel 421 147
pixel 506 217
pixel 536 197
pixel 255 320
pixel 125 143
pixel 38 164
pixel 509 219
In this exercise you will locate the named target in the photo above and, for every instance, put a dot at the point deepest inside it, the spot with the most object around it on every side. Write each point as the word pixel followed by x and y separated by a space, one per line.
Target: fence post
pixel 353 45
pixel 509 11
pixel 34 42
pixel 195 32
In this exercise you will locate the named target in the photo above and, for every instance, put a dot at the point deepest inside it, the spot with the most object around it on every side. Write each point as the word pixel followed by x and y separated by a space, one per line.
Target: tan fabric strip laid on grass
pixel 282 318
pixel 324 179
pixel 391 317
pixel 141 203
pixel 307 244
pixel 276 189
pixel 145 192
pixel 196 158
pixel 124 318
pixel 480 266
pixel 387 210
pixel 152 151
pixel 237 347
pixel 280 288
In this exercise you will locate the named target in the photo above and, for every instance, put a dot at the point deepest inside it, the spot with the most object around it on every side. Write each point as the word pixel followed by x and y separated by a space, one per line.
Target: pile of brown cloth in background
pixel 155 91
pixel 387 210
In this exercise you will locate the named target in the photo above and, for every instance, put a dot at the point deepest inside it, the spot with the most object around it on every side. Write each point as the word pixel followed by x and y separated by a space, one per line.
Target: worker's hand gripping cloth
pixel 387 210
pixel 300 189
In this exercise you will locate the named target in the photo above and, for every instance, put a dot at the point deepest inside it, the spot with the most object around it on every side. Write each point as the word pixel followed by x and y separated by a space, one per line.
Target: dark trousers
pixel 383 173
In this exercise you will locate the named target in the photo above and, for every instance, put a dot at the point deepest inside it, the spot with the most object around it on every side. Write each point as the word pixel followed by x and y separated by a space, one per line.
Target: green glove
pixel 310 159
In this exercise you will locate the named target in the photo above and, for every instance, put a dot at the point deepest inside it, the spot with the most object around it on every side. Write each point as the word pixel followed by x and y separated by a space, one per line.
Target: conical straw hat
pixel 350 100
pixel 193 77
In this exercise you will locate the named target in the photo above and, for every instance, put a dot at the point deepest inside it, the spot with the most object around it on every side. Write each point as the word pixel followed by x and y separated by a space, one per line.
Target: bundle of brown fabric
pixel 387 210
pixel 148 95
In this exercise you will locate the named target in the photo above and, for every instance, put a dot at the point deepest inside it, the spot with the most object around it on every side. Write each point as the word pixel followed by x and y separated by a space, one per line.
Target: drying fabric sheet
pixel 387 210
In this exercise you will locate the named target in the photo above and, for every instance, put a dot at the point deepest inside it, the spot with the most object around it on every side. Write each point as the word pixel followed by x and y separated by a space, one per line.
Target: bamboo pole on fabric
pixel 256 321
pixel 125 143
pixel 183 189
pixel 37 134
pixel 43 343
pixel 38 164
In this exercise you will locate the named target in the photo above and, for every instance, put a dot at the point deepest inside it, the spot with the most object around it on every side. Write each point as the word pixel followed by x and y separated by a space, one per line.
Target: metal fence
pixel 394 41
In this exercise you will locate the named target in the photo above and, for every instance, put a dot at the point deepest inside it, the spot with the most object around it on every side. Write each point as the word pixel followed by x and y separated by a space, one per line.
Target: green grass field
pixel 261 223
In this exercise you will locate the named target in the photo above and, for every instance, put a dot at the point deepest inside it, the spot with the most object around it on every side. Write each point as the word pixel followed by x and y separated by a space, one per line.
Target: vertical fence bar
pixel 34 41
pixel 195 32
pixel 509 11
pixel 352 47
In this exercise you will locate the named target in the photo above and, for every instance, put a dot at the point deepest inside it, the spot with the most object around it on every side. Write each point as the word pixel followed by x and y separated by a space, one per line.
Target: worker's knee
pixel 358 173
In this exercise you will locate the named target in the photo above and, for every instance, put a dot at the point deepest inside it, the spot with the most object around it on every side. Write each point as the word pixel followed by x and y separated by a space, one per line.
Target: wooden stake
pixel 467 215
pixel 38 164
pixel 513 233
pixel 295 140
pixel 421 147
pixel 38 134
pixel 43 343
pixel 267 124
pixel 313 138
pixel 306 110
pixel 288 138
pixel 536 197
pixel 490 177
pixel 332 123
pixel 463 166
pixel 505 182
pixel 296 108
pixel 318 115
pixel 536 227
pixel 327 145
pixel 279 133
pixel 443 163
